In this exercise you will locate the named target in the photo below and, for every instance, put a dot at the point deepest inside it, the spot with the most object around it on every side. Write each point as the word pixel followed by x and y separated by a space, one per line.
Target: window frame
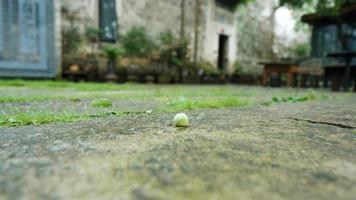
pixel 103 38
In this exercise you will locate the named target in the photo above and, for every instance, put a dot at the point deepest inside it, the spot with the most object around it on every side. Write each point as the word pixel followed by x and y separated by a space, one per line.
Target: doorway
pixel 27 42
pixel 223 59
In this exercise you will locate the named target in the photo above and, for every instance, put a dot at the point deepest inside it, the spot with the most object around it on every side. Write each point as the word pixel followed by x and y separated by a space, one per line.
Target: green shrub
pixel 113 53
pixel 238 68
pixel 72 40
pixel 93 34
pixel 208 68
pixel 167 39
pixel 302 50
pixel 137 42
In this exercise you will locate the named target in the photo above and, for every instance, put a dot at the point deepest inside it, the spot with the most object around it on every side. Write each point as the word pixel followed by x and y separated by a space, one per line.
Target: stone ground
pixel 284 151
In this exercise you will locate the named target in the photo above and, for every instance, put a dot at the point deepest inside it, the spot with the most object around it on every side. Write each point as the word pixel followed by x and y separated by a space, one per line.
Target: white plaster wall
pixel 213 29
pixel 58 37
pixel 85 11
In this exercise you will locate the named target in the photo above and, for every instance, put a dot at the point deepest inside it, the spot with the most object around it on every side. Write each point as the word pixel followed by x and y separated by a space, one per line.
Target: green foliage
pixel 137 42
pixel 302 50
pixel 166 98
pixel 290 99
pixel 182 47
pixel 113 53
pixel 311 96
pixel 207 68
pixel 167 46
pixel 37 118
pixel 104 103
pixel 167 39
pixel 177 62
pixel 327 7
pixel 92 34
pixel 238 68
pixel 246 69
pixel 71 40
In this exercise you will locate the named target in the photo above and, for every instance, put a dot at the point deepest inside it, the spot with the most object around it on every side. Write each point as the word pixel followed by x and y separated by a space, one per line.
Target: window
pixel 108 20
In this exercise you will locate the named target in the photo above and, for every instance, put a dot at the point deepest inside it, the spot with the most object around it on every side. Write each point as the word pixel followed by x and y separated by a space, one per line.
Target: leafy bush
pixel 302 50
pixel 72 40
pixel 113 53
pixel 167 39
pixel 167 48
pixel 247 68
pixel 238 68
pixel 93 34
pixel 137 42
pixel 207 68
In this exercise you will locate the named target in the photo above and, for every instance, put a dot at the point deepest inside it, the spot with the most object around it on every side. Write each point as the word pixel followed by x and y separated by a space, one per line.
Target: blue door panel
pixel 27 38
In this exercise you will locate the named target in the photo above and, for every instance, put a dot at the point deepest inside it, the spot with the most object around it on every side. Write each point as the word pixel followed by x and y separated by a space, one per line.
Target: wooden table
pixel 347 56
pixel 290 69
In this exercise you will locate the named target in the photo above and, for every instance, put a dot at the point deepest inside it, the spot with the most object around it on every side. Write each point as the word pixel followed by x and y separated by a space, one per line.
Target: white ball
pixel 181 120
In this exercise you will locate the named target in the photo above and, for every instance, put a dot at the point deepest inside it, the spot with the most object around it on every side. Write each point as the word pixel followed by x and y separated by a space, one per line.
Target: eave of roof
pixel 348 14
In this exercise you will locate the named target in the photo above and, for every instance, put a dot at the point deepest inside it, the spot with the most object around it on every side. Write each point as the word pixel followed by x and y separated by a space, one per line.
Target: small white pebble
pixel 181 120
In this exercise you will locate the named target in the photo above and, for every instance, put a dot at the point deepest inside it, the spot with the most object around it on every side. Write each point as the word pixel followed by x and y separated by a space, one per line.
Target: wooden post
pixel 290 79
pixel 265 76
pixel 347 74
pixel 182 25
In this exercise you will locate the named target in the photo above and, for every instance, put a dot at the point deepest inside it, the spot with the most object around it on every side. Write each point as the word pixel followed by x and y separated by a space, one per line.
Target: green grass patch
pixel 179 98
pixel 103 103
pixel 183 104
pixel 66 84
pixel 44 117
pixel 312 96
pixel 29 98
pixel 37 118
pixel 20 118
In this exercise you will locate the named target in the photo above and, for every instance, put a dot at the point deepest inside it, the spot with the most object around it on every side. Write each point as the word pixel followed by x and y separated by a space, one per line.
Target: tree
pixel 329 7
pixel 324 7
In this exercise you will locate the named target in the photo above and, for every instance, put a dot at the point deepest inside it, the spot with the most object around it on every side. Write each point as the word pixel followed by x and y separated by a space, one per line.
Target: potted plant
pixel 112 55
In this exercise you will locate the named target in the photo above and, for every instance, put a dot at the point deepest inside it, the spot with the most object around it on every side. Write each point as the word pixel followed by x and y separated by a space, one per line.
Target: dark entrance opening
pixel 223 52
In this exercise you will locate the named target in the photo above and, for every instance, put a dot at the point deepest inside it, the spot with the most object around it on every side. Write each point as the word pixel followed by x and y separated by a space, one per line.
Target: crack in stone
pixel 324 123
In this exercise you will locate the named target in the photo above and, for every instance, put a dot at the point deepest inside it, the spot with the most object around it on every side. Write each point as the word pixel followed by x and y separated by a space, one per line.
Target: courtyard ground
pixel 243 142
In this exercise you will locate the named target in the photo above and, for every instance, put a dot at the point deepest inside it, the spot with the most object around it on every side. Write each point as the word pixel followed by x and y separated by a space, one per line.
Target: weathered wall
pixel 219 21
pixel 58 37
pixel 263 36
pixel 162 15
pixel 254 33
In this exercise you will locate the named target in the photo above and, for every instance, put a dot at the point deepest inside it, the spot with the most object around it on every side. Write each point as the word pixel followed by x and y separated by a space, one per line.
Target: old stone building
pixel 208 25
pixel 214 39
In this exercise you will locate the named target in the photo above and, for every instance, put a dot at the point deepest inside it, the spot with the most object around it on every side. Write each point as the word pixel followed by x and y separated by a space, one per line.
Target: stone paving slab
pixel 237 153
